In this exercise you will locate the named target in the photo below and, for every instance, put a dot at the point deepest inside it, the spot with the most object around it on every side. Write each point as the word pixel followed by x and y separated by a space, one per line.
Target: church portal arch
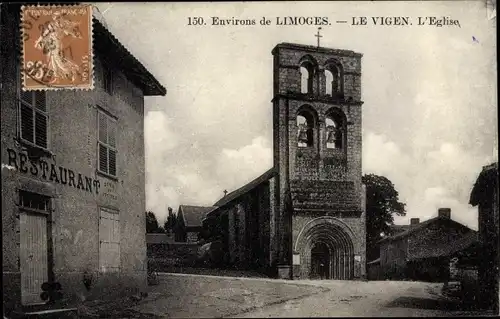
pixel 326 247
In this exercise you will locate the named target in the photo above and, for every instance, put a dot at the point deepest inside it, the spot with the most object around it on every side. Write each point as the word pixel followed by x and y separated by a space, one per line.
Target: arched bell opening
pixel 308 73
pixel 336 129
pixel 306 122
pixel 334 78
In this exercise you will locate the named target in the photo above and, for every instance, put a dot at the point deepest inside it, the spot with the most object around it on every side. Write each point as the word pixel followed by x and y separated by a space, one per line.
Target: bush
pixel 211 254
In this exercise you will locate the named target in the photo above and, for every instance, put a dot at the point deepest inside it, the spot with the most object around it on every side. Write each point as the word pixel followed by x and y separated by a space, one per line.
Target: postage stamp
pixel 56 47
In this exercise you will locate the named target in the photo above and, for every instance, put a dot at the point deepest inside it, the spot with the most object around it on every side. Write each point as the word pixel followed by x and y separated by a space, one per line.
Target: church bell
pixel 302 136
pixel 331 136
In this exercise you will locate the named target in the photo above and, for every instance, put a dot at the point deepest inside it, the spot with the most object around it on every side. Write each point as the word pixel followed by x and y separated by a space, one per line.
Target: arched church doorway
pixel 320 261
pixel 326 247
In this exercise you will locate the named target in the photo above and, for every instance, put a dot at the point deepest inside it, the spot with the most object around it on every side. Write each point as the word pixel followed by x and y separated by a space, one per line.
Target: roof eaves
pixel 487 176
pixel 212 212
pixel 196 210
pixel 449 248
pixel 246 188
pixel 410 230
pixel 311 48
pixel 179 212
pixel 105 42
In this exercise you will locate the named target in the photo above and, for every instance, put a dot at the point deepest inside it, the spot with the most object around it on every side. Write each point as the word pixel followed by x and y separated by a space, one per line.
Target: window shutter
pixel 112 133
pixel 103 158
pixel 107 144
pixel 41 129
pixel 40 101
pixel 112 162
pixel 27 129
pixel 27 96
pixel 103 128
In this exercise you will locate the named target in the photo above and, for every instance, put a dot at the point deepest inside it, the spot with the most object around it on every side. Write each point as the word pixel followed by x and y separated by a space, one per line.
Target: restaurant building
pixel 73 176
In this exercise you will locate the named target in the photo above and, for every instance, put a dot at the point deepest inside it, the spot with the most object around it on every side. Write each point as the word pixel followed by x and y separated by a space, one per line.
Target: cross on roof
pixel 225 192
pixel 318 35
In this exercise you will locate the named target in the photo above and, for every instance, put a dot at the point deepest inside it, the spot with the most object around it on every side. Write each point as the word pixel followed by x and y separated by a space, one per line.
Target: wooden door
pixel 109 239
pixel 33 256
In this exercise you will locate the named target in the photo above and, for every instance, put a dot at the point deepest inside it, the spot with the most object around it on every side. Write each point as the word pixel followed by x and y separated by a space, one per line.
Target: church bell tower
pixel 317 152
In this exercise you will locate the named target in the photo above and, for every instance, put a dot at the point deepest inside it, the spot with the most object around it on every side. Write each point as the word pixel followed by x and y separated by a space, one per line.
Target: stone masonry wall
pixel 315 174
pixel 289 68
pixel 75 217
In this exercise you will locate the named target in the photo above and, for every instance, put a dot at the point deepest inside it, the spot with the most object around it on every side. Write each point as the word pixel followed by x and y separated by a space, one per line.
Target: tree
pixel 382 202
pixel 152 225
pixel 170 222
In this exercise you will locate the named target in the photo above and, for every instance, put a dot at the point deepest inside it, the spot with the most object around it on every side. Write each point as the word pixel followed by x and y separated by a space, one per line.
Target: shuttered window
pixel 33 118
pixel 109 240
pixel 107 144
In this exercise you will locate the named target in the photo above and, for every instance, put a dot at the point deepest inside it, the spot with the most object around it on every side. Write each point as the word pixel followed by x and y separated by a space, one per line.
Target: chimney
pixel 444 212
pixel 414 221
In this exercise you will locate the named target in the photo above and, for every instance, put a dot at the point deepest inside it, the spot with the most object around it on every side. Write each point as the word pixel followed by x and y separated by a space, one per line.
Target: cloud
pixel 235 167
pixel 176 175
pixel 157 132
pixel 427 179
pixel 172 176
pixel 429 115
pixel 382 156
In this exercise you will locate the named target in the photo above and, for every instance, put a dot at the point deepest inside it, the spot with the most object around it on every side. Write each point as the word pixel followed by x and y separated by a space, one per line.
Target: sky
pixel 430 103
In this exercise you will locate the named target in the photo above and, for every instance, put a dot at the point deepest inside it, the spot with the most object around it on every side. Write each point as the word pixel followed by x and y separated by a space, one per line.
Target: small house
pixel 422 252
pixel 189 223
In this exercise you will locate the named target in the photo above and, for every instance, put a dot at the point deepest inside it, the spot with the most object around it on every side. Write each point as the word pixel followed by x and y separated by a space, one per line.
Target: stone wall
pixel 192 236
pixel 489 277
pixel 163 256
pixel 287 67
pixel 393 256
pixel 322 181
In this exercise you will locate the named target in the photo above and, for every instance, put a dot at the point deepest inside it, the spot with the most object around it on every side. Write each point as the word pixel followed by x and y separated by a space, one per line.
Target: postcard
pixel 250 159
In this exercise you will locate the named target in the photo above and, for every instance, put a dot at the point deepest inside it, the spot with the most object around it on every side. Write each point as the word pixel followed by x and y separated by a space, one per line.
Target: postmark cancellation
pixel 56 47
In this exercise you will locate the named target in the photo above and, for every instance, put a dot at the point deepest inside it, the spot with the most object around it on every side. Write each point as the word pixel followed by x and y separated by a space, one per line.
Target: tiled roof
pixel 419 227
pixel 466 242
pixel 487 179
pixel 194 215
pixel 246 188
pixel 396 229
pixel 410 230
pixel 107 44
pixel 447 248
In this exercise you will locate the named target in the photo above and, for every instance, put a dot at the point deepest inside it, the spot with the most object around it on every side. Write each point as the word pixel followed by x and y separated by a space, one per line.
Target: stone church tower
pixel 317 154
